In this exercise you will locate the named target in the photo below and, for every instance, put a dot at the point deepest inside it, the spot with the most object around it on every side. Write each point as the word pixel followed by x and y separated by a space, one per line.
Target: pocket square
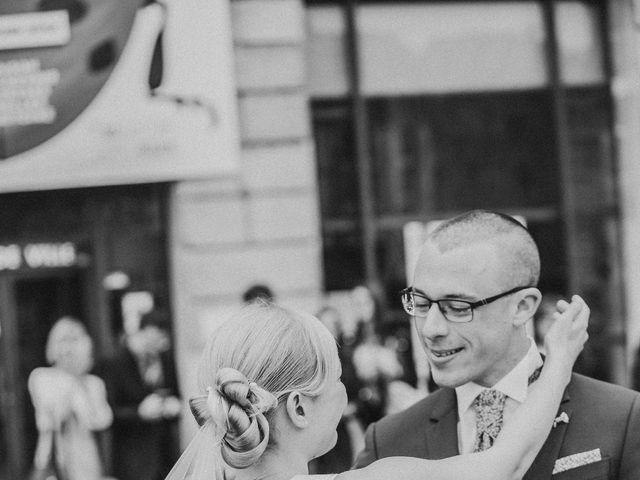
pixel 576 460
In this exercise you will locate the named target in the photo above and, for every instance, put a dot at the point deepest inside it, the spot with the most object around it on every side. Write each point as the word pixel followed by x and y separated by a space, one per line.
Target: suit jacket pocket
pixel 592 471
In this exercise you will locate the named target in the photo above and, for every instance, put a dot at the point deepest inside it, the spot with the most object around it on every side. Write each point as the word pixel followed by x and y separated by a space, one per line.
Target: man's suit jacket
pixel 601 415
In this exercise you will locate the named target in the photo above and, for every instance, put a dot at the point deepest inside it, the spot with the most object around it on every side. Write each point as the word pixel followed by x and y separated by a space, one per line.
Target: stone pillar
pixel 263 224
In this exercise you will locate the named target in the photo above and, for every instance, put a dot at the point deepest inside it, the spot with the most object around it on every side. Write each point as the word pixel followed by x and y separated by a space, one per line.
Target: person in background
pixel 350 432
pixel 332 319
pixel 70 404
pixel 143 391
pixel 376 364
pixel 258 292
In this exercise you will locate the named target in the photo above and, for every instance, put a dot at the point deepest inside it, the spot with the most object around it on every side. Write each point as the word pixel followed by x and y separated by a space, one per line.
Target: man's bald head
pixel 512 241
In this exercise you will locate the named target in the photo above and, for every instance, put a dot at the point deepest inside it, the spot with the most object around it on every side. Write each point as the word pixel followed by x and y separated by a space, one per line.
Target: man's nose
pixel 435 324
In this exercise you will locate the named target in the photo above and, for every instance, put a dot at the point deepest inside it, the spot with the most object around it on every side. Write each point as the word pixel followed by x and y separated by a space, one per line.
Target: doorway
pixel 56 250
pixel 30 303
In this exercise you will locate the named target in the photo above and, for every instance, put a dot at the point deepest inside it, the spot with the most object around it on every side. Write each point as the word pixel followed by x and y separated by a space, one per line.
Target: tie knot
pixel 490 398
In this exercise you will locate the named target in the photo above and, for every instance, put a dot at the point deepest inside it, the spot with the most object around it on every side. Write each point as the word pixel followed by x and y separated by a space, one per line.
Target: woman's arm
pixel 49 389
pixel 44 449
pixel 523 436
pixel 89 403
pixel 47 420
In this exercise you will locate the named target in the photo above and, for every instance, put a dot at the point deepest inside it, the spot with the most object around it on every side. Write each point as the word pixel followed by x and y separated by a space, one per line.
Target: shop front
pixel 59 254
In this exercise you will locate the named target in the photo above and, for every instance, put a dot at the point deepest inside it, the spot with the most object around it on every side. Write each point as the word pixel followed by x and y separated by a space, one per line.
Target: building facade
pixel 339 124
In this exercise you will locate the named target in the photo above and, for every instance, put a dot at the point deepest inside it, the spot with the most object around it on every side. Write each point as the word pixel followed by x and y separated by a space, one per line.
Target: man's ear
pixel 296 409
pixel 529 301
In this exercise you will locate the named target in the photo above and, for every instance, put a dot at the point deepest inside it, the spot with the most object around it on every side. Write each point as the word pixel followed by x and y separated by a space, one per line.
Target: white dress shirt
pixel 514 385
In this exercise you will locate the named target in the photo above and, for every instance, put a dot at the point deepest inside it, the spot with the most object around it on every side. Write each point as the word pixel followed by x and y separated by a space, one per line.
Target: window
pixel 466 105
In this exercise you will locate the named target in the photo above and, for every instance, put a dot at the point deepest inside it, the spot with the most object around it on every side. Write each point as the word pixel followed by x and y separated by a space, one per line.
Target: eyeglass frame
pixel 472 305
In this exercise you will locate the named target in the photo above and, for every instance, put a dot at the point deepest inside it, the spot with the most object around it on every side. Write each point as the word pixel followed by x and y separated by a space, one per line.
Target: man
pixel 473 293
pixel 142 389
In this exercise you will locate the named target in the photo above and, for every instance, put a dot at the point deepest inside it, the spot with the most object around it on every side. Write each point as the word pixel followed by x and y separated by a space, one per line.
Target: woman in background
pixel 70 404
pixel 274 398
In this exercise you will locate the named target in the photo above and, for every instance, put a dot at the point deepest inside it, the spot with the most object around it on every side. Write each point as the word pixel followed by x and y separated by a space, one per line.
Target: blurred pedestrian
pixel 258 292
pixel 350 431
pixel 70 404
pixel 375 363
pixel 333 320
pixel 143 391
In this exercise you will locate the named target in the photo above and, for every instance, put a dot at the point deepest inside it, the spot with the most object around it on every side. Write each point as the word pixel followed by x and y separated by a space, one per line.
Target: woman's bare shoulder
pixel 48 379
pixel 42 374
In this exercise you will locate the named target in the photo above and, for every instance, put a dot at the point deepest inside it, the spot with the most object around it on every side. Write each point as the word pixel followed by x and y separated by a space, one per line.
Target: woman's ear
pixel 296 409
pixel 527 305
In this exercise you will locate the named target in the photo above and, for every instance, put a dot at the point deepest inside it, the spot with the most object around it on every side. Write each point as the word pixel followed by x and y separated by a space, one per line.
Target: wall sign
pixel 117 92
pixel 38 255
pixel 29 30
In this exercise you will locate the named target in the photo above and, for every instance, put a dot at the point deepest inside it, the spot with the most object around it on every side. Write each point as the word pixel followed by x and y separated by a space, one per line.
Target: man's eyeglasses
pixel 417 304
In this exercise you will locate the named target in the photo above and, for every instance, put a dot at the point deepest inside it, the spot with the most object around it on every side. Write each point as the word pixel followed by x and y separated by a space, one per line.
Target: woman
pixel 70 404
pixel 274 399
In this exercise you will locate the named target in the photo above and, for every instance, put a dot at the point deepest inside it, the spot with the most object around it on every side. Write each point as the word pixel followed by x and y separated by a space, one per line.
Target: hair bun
pixel 236 388
pixel 247 429
pixel 199 409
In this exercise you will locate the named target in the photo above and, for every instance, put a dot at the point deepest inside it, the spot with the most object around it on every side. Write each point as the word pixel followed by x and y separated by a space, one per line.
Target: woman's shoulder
pixel 93 381
pixel 48 381
pixel 40 372
pixel 46 376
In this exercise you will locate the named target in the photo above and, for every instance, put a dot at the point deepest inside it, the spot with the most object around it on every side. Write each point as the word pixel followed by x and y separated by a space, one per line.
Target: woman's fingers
pixel 569 330
pixel 562 305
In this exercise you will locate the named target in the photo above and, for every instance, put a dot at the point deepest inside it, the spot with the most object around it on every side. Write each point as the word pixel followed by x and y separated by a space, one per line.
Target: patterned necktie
pixel 489 406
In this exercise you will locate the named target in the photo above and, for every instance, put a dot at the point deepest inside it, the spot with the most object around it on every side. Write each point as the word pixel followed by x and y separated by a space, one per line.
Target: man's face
pixel 482 350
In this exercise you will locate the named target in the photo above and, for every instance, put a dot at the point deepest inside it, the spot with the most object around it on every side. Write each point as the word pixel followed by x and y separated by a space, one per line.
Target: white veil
pixel 203 458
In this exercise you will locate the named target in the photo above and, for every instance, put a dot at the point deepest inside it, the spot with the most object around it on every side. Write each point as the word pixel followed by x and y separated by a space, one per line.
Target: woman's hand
pixel 568 334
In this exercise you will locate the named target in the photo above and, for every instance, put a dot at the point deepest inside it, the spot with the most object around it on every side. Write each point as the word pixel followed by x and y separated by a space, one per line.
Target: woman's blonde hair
pixel 251 364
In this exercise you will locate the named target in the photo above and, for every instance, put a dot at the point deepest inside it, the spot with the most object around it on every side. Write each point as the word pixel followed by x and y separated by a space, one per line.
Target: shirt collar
pixel 514 384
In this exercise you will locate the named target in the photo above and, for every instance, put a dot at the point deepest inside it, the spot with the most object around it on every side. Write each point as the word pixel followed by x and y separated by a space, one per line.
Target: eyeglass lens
pixel 453 310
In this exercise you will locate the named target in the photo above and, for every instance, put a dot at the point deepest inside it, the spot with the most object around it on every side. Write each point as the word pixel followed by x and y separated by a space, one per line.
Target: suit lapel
pixel 442 430
pixel 543 464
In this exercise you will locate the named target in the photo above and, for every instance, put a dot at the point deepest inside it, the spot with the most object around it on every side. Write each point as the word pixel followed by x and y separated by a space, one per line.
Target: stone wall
pixel 262 225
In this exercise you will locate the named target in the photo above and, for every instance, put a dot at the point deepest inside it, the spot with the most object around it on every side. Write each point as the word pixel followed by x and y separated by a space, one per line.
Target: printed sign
pixel 126 91
pixel 29 30
pixel 38 255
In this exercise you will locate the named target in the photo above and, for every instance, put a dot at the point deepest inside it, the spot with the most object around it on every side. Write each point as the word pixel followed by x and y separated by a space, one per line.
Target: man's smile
pixel 441 355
